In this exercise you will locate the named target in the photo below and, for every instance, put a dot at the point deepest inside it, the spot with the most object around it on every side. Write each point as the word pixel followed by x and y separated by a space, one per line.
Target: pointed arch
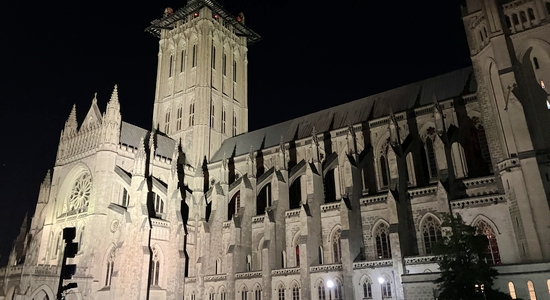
pixel 257 291
pixel 430 228
pixel 338 289
pixel 295 290
pixel 386 286
pixel 43 292
pixel 109 264
pixel 222 292
pixel 281 291
pixel 531 290
pixel 335 244
pixel 244 292
pixel 366 287
pixel 512 290
pixel 493 252
pixel 321 290
pixel 157 262
pixel 381 235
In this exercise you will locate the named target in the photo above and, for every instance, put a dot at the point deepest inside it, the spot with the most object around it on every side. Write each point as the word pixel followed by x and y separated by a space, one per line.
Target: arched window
pixel 218 266
pixel 321 291
pixel 213 62
pixel 330 187
pixel 170 66
pixel 386 289
pixel 234 71
pixel 248 263
pixel 481 35
pixel 194 62
pixel 224 64
pixel 193 295
pixel 281 292
pixel 182 61
pixel 110 268
pixel 223 120
pixel 338 295
pixel 336 247
pixel 320 254
pixel 258 292
pixel 155 268
pixel 536 63
pixel 234 205
pixel 125 198
pixel 212 115
pixel 493 253
pixel 264 199
pixel 515 19
pixel 244 293
pixel 192 114
pixel 211 295
pixel 167 122
pixel 297 255
pixel 512 290
pixel 295 292
pixel 367 289
pixel 531 289
pixel 531 14
pixel 158 203
pixel 235 124
pixel 522 17
pixel 295 193
pixel 430 155
pixel 382 240
pixel 223 294
pixel 548 284
pixel 508 22
pixel 179 116
pixel 431 233
pixel 81 239
pixel 384 170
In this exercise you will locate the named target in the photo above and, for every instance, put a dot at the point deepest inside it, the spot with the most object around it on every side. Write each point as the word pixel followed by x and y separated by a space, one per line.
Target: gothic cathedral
pixel 344 203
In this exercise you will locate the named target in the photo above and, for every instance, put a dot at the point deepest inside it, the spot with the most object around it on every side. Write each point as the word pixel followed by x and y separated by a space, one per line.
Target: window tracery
pixel 155 267
pixel 382 240
pixel 295 292
pixel 367 289
pixel 336 246
pixel 493 253
pixel 431 233
pixel 80 194
pixel 110 268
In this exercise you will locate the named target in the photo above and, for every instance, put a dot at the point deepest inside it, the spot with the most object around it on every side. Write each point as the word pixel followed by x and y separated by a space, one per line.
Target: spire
pixel 114 95
pixel 71 124
pixel 47 180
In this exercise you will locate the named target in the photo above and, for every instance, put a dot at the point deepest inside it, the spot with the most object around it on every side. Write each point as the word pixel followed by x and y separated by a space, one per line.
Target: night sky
pixel 314 55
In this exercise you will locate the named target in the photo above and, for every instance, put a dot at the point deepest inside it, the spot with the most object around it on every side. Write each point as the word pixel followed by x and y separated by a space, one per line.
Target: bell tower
pixel 510 50
pixel 201 92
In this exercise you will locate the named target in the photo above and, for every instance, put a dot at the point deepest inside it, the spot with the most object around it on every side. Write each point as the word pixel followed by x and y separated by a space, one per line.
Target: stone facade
pixel 346 201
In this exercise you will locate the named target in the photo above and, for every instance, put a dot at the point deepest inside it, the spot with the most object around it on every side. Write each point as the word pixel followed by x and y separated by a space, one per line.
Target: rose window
pixel 80 194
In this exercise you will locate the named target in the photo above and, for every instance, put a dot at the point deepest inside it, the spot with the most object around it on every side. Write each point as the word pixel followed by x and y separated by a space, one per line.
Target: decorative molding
pixel 373 264
pixel 284 272
pixel 374 199
pixel 326 268
pixel 258 219
pixel 418 260
pixel 255 274
pixel 479 201
pixel 330 206
pixel 218 277
pixel 293 213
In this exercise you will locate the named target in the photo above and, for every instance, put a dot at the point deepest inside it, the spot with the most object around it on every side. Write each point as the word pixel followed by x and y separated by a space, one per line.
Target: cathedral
pixel 343 203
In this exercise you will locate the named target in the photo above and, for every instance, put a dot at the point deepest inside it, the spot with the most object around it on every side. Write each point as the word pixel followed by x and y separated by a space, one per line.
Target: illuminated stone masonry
pixel 346 201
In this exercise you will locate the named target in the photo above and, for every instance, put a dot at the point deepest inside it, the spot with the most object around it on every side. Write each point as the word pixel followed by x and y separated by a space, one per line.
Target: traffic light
pixel 71 249
pixel 68 271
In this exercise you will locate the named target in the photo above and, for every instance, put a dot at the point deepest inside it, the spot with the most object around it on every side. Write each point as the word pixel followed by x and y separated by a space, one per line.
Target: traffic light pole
pixel 67 271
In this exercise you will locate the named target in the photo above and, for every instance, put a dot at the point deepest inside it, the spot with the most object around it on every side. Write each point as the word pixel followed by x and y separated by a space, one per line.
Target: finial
pixel 94 100
pixel 282 144
pixel 114 95
pixel 48 178
pixel 142 144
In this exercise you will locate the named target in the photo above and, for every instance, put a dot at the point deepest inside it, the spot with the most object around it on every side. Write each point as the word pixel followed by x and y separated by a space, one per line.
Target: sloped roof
pixel 132 134
pixel 446 86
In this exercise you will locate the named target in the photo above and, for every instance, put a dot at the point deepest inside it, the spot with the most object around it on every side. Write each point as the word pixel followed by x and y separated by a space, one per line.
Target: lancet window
pixel 382 241
pixel 431 233
pixel 493 253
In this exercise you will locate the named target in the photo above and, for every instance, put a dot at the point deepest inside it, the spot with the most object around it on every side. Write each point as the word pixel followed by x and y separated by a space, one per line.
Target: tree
pixel 465 273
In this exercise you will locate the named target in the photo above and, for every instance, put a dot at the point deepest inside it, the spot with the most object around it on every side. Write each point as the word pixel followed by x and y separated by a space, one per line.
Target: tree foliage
pixel 465 273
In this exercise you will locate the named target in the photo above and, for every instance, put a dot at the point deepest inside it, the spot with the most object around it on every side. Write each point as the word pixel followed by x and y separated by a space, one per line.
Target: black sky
pixel 314 55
